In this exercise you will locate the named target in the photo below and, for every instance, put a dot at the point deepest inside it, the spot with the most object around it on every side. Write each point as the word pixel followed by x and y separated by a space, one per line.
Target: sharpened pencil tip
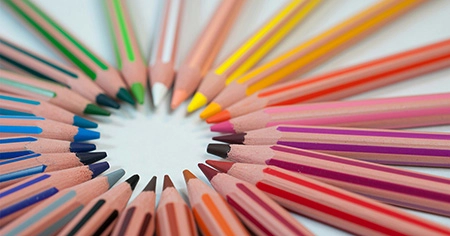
pixel 207 171
pixel 223 127
pixel 197 101
pixel 167 182
pixel 231 139
pixel 85 134
pixel 159 91
pixel 93 109
pixel 133 180
pixel 98 168
pixel 114 176
pixel 104 100
pixel 81 147
pixel 222 166
pixel 210 110
pixel 124 95
pixel 177 98
pixel 219 117
pixel 83 123
pixel 138 91
pixel 188 175
pixel 90 157
pixel 219 149
pixel 151 186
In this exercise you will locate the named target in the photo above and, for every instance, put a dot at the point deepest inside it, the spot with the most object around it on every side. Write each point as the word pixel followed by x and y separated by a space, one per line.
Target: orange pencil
pixel 212 213
pixel 173 216
pixel 205 50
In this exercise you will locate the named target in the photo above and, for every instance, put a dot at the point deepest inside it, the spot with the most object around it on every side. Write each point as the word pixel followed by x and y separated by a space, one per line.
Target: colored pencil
pixel 374 145
pixel 391 185
pixel 260 213
pixel 312 53
pixel 266 38
pixel 128 55
pixel 173 216
pixel 106 76
pixel 40 127
pixel 346 82
pixel 139 216
pixel 162 70
pixel 21 59
pixel 56 94
pixel 26 194
pixel 334 206
pixel 99 216
pixel 24 145
pixel 392 113
pixel 205 50
pixel 211 212
pixel 15 105
pixel 55 212
pixel 16 169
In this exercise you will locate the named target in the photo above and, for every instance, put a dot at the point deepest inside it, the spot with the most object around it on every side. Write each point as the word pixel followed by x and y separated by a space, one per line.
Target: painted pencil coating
pixel 313 52
pixel 54 213
pixel 211 212
pixel 329 204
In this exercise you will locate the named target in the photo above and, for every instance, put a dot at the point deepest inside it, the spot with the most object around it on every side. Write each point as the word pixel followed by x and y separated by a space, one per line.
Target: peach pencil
pixel 23 145
pixel 128 55
pixel 345 82
pixel 139 216
pixel 56 94
pixel 391 185
pixel 21 106
pixel 311 53
pixel 375 145
pixel 266 38
pixel 40 127
pixel 386 113
pixel 100 215
pixel 334 206
pixel 18 58
pixel 205 50
pixel 260 213
pixel 21 197
pixel 16 169
pixel 49 217
pixel 211 212
pixel 162 70
pixel 173 216
pixel 106 76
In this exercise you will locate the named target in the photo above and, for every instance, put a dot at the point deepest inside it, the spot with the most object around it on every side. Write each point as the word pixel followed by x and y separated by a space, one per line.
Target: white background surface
pixel 152 141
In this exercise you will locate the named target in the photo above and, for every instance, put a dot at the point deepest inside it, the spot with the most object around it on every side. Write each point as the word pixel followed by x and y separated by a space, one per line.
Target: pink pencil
pixel 139 216
pixel 374 145
pixel 205 50
pixel 334 206
pixel 21 197
pixel 173 216
pixel 212 213
pixel 99 216
pixel 387 113
pixel 260 213
pixel 162 70
pixel 54 213
pixel 391 185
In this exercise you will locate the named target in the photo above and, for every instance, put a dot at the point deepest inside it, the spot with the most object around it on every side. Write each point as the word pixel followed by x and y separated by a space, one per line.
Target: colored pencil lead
pixel 218 149
pixel 90 157
pixel 231 138
pixel 207 171
pixel 104 100
pixel 151 186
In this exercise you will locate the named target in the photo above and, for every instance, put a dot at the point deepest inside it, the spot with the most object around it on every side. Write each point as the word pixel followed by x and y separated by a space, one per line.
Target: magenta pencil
pixel 346 210
pixel 139 216
pixel 374 145
pixel 49 217
pixel 21 197
pixel 391 185
pixel 260 213
pixel 386 113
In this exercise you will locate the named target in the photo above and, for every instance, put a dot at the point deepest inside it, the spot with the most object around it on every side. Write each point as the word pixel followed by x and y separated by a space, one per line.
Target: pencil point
pixel 96 110
pixel 151 186
pixel 159 91
pixel 188 175
pixel 223 127
pixel 178 97
pixel 231 139
pixel 114 176
pixel 104 100
pixel 98 168
pixel 138 92
pixel 81 147
pixel 219 117
pixel 133 180
pixel 218 149
pixel 85 134
pixel 83 123
pixel 212 109
pixel 124 95
pixel 197 101
pixel 167 182
pixel 222 166
pixel 207 171
pixel 90 157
